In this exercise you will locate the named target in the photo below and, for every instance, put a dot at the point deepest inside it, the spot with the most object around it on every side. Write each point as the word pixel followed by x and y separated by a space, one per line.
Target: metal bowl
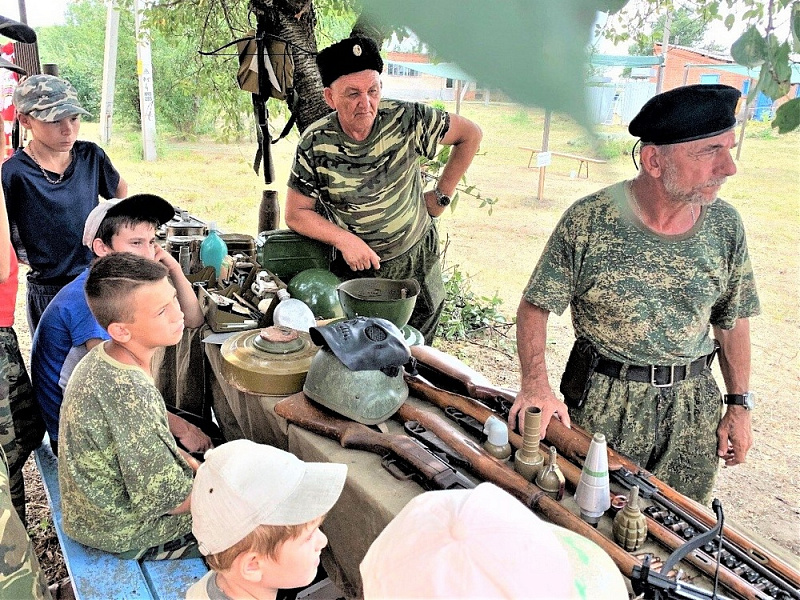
pixel 388 299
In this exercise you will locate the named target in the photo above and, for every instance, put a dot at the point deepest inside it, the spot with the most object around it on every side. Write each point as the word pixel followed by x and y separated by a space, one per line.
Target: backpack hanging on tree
pixel 266 70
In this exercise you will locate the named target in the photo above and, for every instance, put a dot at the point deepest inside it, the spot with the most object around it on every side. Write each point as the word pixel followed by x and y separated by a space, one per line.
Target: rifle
pixel 574 443
pixel 403 456
pixel 490 469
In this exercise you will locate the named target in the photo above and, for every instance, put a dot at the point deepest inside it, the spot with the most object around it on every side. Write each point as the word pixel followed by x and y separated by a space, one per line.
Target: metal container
pixel 183 224
pixel 272 361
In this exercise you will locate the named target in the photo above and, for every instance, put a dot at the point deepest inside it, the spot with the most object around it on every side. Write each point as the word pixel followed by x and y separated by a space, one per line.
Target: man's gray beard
pixel 693 196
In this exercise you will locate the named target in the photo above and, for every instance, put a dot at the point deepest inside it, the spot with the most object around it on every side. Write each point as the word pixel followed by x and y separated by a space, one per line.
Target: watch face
pixel 749 400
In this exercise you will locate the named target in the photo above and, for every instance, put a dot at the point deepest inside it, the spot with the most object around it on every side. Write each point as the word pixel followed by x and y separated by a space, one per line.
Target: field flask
pixel 213 249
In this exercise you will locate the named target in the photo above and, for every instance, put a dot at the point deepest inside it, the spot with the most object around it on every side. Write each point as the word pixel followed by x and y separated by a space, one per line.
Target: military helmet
pixel 358 372
pixel 368 397
pixel 317 288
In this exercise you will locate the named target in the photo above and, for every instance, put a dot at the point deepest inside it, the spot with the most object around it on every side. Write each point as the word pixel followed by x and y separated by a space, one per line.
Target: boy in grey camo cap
pixel 54 182
pixel 47 98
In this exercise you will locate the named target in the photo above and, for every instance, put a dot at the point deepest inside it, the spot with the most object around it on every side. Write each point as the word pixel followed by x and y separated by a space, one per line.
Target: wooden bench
pixel 98 575
pixel 583 160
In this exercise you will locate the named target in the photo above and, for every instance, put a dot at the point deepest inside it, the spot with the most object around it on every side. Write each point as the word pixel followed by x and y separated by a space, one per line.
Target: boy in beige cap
pixel 256 512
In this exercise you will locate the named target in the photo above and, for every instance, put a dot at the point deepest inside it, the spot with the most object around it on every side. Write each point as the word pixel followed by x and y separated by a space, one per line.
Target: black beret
pixel 692 112
pixel 350 55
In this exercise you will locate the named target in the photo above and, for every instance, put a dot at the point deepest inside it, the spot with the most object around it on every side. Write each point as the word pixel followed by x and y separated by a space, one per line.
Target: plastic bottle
pixel 293 313
pixel 213 249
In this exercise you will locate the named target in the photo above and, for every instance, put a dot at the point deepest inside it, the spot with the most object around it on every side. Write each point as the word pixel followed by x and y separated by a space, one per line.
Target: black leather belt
pixel 655 375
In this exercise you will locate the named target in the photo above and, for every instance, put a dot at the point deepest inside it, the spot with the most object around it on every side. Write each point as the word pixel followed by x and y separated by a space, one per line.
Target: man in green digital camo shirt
pixel 648 267
pixel 356 182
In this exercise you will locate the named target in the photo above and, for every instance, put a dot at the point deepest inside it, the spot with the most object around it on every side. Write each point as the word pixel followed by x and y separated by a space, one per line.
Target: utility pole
pixel 144 69
pixel 664 47
pixel 23 12
pixel 109 72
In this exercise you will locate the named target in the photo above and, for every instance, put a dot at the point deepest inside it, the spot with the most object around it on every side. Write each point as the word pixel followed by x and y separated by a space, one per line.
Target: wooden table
pixel 371 496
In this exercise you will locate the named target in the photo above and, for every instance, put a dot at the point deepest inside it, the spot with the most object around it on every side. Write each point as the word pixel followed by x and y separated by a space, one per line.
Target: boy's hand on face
pixel 166 259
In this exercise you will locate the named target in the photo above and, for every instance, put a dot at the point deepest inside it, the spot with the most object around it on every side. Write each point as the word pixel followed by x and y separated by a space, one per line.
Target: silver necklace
pixel 41 168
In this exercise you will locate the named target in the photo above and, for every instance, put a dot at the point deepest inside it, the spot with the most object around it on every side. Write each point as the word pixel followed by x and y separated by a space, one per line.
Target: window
pixel 400 70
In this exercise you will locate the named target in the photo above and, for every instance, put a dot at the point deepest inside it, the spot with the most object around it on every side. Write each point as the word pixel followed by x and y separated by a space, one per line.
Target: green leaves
pixel 794 23
pixel 787 117
pixel 750 49
pixel 533 51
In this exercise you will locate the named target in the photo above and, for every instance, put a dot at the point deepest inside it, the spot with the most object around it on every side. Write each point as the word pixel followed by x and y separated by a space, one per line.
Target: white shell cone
pixel 592 493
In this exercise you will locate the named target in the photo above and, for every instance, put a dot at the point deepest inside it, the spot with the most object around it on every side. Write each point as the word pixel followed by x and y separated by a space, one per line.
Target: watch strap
pixel 738 399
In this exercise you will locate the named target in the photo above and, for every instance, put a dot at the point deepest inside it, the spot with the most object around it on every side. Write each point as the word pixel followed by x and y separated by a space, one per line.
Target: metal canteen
pixel 273 361
pixel 183 224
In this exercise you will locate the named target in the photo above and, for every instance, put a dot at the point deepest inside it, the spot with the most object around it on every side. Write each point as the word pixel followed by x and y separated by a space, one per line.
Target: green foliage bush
pixel 465 313
pixel 193 95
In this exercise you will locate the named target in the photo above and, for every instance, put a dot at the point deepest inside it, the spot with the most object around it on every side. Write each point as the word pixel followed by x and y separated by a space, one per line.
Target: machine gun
pixel 403 457
pixel 749 570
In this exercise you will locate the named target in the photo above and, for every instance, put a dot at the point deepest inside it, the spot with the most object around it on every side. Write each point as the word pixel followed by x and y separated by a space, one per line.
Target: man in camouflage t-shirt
pixel 356 183
pixel 648 267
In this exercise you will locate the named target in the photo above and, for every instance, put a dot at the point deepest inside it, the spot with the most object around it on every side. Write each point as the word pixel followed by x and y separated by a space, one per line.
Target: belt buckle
pixel 662 385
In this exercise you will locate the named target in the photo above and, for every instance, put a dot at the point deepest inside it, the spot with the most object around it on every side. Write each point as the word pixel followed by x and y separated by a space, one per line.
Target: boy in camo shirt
pixel 125 484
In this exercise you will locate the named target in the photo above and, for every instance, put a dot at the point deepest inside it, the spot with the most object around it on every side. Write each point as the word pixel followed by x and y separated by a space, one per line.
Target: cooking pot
pixel 183 224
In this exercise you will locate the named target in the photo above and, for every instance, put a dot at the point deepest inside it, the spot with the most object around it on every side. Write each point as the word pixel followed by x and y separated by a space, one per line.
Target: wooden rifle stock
pixel 491 469
pixel 573 443
pixel 299 410
pixel 442 399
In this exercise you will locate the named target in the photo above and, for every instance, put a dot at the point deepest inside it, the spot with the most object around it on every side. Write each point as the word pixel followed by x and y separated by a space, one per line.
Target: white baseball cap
pixel 483 543
pixel 147 206
pixel 242 485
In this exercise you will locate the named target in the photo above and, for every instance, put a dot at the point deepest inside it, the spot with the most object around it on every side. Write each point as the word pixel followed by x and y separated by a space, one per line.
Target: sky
pixel 40 12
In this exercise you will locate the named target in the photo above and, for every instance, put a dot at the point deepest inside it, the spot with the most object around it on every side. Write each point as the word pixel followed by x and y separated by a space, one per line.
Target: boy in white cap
pixel 256 512
pixel 483 543
pixel 68 330
pixel 52 185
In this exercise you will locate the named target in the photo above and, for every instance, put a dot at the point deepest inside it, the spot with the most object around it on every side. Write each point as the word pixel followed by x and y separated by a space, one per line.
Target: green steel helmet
pixel 368 397
pixel 317 288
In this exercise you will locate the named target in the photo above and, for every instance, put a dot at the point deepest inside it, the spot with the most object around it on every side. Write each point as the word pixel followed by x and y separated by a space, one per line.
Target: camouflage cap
pixel 47 98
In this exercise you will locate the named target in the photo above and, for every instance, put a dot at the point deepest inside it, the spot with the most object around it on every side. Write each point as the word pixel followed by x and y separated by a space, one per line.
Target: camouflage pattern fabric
pixel 21 424
pixel 20 573
pixel 670 431
pixel 646 299
pixel 422 263
pixel 47 98
pixel 119 467
pixel 639 297
pixel 372 188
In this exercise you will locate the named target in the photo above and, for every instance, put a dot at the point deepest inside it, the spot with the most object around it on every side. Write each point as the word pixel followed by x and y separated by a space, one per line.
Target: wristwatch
pixel 442 199
pixel 748 400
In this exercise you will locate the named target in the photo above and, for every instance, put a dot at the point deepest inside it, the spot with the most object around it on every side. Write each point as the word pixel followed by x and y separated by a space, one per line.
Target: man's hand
pixel 357 254
pixel 544 400
pixel 734 435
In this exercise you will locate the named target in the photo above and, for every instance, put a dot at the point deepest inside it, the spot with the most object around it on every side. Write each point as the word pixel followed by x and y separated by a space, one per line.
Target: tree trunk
pixel 294 21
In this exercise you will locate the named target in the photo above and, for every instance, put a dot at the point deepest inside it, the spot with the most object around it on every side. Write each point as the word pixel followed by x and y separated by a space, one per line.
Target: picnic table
pixel 583 160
